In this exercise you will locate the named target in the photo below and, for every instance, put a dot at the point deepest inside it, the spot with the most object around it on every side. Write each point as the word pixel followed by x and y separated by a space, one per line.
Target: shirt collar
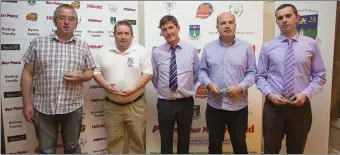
pixel 282 38
pixel 54 36
pixel 234 42
pixel 115 49
pixel 179 45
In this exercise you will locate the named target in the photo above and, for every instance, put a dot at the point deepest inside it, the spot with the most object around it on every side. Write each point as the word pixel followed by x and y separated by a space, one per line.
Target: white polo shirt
pixel 124 69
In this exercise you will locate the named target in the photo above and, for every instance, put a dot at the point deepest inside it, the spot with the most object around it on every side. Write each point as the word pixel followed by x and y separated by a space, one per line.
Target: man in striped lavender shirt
pixel 290 72
pixel 174 66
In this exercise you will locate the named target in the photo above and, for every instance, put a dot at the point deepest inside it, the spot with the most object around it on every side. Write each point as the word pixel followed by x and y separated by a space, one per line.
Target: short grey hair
pixel 66 6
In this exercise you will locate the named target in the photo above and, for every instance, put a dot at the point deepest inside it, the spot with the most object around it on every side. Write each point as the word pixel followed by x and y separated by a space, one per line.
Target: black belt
pixel 124 103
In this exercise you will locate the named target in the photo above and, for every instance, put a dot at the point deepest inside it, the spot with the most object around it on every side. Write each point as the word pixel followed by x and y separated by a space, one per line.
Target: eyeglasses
pixel 69 18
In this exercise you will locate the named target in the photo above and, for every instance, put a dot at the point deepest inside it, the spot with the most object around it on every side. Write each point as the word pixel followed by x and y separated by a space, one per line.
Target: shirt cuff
pixel 305 92
pixel 266 91
pixel 206 82
pixel 243 86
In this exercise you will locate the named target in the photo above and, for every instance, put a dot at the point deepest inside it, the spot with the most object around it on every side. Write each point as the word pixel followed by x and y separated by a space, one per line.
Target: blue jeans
pixel 46 129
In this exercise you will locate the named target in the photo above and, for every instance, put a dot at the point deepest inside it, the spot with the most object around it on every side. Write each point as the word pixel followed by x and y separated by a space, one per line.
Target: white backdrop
pixel 324 16
pixel 18 30
pixel 186 13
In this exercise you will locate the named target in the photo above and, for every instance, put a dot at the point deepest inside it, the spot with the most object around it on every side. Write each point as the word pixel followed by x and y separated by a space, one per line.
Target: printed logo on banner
pixel 97 113
pixel 132 22
pixel 16 138
pixel 10 1
pixel 94 20
pixel 113 7
pixel 194 32
pixel 53 3
pixel 33 32
pixel 11 62
pixel 169 6
pixel 10 46
pixel 113 20
pixel 12 94
pixel 95 126
pixel 201 92
pixel 97 100
pixel 101 151
pixel 12 79
pixel 204 10
pixel 15 124
pixel 129 9
pixel 14 108
pixel 93 6
pixel 99 139
pixel 95 47
pixel 9 15
pixel 308 26
pixel 19 152
pixel 75 4
pixel 197 112
pixel 82 141
pixel 83 127
pixel 236 9
pixel 31 3
pixel 95 34
pixel 96 86
pixel 32 17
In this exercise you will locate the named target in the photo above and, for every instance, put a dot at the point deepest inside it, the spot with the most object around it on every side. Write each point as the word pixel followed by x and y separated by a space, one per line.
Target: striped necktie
pixel 288 77
pixel 173 85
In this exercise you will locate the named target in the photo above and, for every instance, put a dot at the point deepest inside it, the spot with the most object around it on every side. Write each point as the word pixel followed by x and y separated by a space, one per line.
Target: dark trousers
pixel 292 121
pixel 169 112
pixel 47 128
pixel 237 123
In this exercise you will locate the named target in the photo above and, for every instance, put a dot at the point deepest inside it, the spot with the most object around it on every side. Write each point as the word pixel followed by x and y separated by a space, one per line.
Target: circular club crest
pixel 113 7
pixel 236 9
pixel 82 142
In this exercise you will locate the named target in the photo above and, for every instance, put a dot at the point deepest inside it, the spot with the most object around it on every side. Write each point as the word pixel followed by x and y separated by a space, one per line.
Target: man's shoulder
pixel 211 43
pixel 243 42
pixel 307 40
pixel 271 43
pixel 140 48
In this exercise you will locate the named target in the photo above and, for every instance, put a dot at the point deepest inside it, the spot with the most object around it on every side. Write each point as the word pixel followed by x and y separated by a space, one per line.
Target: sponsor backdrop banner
pixel 21 22
pixel 197 22
pixel 317 21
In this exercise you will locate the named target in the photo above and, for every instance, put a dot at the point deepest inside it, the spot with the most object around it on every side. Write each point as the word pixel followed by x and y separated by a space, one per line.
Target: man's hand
pixel 298 99
pixel 234 90
pixel 110 88
pixel 28 112
pixel 72 77
pixel 214 88
pixel 278 99
pixel 126 92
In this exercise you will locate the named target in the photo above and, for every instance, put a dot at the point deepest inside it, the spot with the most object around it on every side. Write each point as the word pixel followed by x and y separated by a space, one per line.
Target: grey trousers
pixel 292 121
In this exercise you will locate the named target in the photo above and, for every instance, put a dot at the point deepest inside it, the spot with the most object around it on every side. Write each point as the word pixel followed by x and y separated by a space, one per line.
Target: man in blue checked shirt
pixel 227 69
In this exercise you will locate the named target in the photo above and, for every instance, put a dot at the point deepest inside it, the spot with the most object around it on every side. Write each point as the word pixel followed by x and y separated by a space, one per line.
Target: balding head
pixel 226 25
pixel 224 14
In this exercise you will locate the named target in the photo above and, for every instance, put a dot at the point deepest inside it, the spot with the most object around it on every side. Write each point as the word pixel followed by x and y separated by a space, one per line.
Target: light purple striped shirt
pixel 309 70
pixel 187 65
pixel 227 66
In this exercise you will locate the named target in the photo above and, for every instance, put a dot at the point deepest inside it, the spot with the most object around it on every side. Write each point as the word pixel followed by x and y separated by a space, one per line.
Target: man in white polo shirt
pixel 124 71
